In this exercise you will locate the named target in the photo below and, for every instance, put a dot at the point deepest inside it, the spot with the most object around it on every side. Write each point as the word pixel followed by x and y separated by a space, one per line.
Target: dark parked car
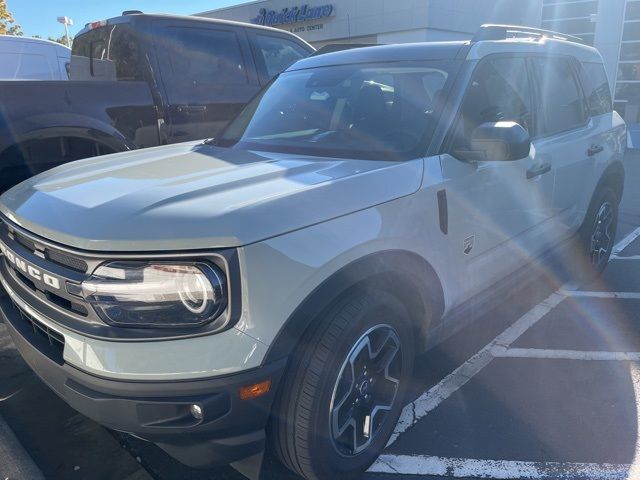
pixel 139 81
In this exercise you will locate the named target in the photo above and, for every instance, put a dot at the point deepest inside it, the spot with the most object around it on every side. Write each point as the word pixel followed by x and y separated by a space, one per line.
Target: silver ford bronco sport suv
pixel 272 287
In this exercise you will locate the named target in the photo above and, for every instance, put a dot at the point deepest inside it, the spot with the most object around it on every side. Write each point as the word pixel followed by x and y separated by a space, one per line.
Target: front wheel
pixel 344 391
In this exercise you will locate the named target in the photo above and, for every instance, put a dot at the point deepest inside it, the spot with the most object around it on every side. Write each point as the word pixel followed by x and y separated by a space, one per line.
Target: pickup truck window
pixel 203 56
pixel 354 111
pixel 107 53
pixel 278 53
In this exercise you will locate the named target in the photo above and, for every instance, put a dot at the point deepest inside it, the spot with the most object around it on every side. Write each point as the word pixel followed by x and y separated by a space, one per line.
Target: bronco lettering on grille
pixel 28 269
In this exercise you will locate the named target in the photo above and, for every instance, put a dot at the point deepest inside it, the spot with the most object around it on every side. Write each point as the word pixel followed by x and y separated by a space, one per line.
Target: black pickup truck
pixel 139 81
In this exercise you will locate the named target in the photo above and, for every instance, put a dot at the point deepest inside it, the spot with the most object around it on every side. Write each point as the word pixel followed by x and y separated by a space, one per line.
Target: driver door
pixel 500 211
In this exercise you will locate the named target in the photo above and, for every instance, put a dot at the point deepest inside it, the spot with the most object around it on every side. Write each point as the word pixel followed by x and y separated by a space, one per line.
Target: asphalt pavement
pixel 547 385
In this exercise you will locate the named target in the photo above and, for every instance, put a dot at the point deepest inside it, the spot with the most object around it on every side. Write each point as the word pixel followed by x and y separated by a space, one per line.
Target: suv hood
pixel 195 196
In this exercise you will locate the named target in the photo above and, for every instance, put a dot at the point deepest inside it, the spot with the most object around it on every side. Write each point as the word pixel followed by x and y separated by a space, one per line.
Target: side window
pixel 562 106
pixel 107 53
pixel 204 57
pixel 123 49
pixel 596 88
pixel 499 91
pixel 278 53
pixel 25 66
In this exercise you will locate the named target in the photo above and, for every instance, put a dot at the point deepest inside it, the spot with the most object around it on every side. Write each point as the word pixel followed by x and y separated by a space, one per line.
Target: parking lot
pixel 545 386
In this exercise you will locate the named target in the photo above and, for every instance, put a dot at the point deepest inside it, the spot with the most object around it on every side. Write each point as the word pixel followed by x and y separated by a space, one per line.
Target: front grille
pixel 65 268
pixel 52 255
pixel 25 242
pixel 66 260
pixel 53 338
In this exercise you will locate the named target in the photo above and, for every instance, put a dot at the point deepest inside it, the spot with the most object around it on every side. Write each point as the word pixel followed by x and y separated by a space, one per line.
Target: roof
pixel 31 40
pixel 450 50
pixel 385 53
pixel 216 21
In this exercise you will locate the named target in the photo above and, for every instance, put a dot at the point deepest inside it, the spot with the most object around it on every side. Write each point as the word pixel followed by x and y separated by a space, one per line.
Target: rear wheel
pixel 345 388
pixel 598 232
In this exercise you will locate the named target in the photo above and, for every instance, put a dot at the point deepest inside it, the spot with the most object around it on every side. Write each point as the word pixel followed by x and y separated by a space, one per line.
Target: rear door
pixel 208 75
pixel 567 136
pixel 274 53
pixel 604 144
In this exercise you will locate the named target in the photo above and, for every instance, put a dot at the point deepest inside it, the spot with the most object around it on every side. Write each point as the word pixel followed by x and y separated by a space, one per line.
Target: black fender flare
pixel 613 176
pixel 107 136
pixel 410 276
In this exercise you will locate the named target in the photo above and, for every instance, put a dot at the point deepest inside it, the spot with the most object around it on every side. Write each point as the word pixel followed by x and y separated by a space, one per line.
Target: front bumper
pixel 231 430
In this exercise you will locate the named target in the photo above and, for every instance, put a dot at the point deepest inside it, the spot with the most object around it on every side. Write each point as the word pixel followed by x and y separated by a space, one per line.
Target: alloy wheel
pixel 365 390
pixel 602 236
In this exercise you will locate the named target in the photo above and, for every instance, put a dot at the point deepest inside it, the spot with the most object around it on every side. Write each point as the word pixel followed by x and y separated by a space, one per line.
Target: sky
pixel 38 17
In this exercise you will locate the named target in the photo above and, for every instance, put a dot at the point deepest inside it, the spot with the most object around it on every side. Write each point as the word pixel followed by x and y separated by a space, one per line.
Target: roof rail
pixel 339 47
pixel 504 32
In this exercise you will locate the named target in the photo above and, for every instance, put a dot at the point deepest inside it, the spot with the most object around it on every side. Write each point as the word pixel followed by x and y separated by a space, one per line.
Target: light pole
pixel 66 21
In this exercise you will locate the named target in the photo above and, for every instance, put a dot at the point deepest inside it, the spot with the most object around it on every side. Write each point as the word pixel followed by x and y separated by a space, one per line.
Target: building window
pixel 629 71
pixel 627 92
pixel 632 11
pixel 569 9
pixel 571 17
pixel 571 25
pixel 631 31
pixel 630 52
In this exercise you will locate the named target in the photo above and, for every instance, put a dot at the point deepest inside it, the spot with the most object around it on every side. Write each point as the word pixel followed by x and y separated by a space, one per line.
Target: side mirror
pixel 500 141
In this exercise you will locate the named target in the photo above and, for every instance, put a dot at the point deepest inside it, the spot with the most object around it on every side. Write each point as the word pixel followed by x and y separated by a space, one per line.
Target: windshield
pixel 358 111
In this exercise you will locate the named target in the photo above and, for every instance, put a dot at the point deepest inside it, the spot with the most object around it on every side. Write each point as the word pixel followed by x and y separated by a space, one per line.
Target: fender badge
pixel 467 245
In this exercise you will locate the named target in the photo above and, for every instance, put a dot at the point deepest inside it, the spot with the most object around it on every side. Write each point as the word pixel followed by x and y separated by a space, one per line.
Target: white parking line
pixel 621 295
pixel 626 241
pixel 433 397
pixel 497 348
pixel 632 257
pixel 498 469
pixel 565 354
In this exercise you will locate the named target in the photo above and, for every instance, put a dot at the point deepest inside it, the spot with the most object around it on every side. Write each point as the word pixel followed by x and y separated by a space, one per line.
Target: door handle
pixel 192 108
pixel 538 170
pixel 594 150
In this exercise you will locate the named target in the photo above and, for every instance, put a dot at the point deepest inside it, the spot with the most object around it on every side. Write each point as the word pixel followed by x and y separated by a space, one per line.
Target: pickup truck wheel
pixel 345 388
pixel 598 232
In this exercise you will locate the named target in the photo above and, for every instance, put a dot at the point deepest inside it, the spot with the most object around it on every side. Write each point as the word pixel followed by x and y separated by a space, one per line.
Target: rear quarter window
pixel 278 53
pixel 596 88
pixel 562 104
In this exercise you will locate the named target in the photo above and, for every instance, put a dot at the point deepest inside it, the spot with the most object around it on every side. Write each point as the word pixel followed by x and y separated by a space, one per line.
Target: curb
pixel 15 462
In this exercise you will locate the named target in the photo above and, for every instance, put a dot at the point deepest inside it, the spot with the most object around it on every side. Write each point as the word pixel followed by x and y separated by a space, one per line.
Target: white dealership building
pixel 381 21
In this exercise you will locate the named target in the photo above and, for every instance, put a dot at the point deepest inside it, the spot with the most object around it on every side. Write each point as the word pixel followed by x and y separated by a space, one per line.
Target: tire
pixel 597 235
pixel 302 430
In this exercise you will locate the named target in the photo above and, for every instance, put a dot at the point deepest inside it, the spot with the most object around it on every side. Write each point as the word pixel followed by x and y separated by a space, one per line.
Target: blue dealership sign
pixel 286 16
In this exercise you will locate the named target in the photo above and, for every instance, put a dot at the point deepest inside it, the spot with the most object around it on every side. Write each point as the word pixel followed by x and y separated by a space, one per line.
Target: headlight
pixel 135 294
